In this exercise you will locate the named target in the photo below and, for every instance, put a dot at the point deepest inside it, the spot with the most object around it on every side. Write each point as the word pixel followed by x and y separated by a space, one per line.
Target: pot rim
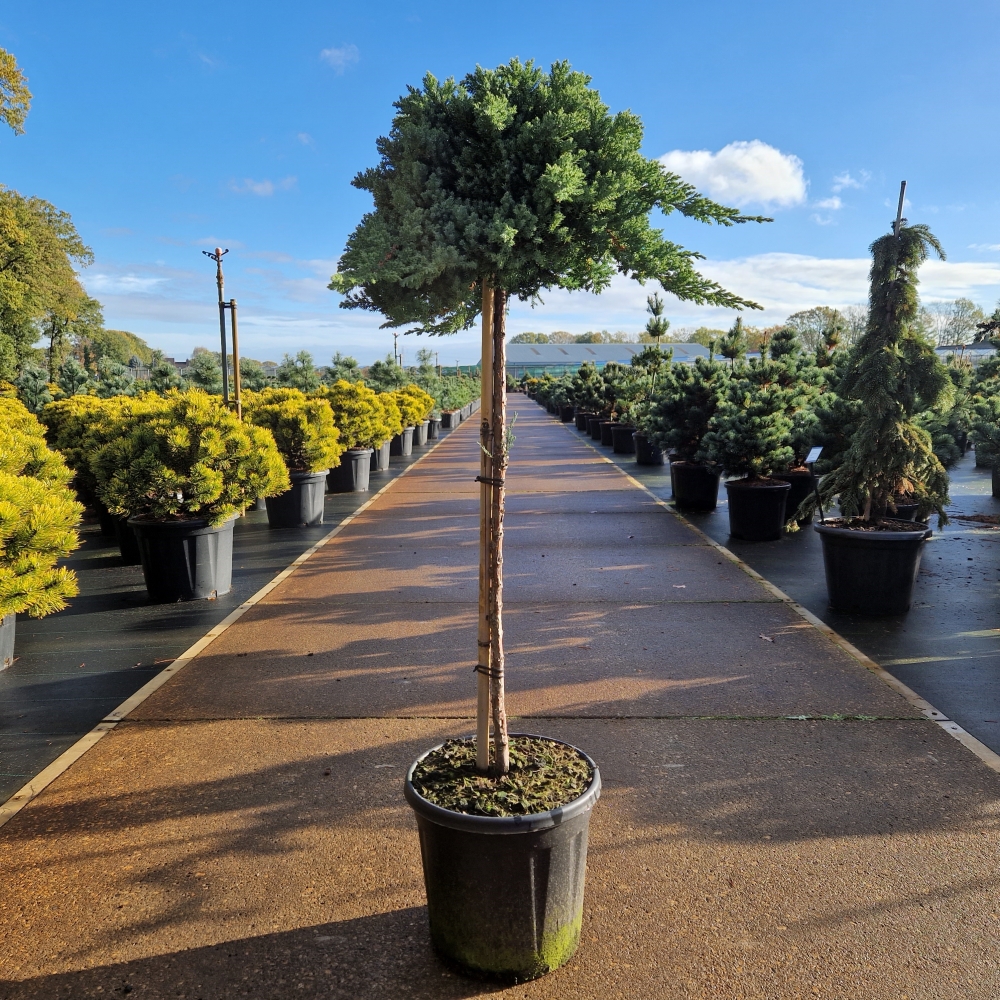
pixel 177 524
pixel 532 823
pixel 304 474
pixel 874 536
pixel 740 484
pixel 357 451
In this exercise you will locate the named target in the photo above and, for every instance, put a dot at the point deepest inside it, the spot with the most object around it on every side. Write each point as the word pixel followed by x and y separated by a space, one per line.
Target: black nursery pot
pixel 757 512
pixel 594 427
pixel 433 428
pixel 351 476
pixel 582 416
pixel 379 461
pixel 106 519
pixel 185 560
pixel 607 432
pixel 622 439
pixel 128 545
pixel 871 572
pixel 646 453
pixel 450 419
pixel 402 444
pixel 803 485
pixel 694 487
pixel 300 506
pixel 566 414
pixel 7 640
pixel 420 433
pixel 505 894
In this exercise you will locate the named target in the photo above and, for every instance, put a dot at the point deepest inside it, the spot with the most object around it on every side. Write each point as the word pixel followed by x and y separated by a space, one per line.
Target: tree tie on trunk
pixel 490 482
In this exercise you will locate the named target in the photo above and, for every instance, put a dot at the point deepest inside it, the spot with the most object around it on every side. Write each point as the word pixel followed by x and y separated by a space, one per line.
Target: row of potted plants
pixel 888 414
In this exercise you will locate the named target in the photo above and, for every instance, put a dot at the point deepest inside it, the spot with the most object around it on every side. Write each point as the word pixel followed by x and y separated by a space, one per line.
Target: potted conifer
pixel 310 445
pixel 392 421
pixel 181 475
pixel 872 557
pixel 749 436
pixel 415 406
pixel 677 421
pixel 361 422
pixel 39 516
pixel 512 181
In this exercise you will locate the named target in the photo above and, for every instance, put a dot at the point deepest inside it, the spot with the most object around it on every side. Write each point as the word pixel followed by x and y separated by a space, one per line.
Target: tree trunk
pixel 493 466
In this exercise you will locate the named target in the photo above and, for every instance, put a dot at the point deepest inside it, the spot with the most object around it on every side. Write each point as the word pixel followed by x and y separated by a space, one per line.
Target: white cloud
pixel 122 284
pixel 741 173
pixel 831 204
pixel 264 188
pixel 306 139
pixel 984 246
pixel 845 180
pixel 341 58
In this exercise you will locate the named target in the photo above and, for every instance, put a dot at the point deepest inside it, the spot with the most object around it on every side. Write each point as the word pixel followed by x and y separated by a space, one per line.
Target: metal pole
pixel 217 257
pixel 236 360
pixel 897 225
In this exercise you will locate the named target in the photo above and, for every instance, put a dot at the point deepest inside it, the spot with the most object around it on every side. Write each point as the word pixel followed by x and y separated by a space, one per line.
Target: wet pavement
pixel 947 648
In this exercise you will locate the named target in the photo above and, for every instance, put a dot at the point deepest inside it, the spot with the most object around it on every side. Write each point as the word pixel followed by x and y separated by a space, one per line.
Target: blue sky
pixel 165 129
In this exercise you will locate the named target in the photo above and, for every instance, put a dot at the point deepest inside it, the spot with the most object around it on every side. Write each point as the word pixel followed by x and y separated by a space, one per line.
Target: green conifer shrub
pixel 391 415
pixel 190 458
pixel 357 413
pixel 682 407
pixel 415 405
pixel 302 427
pixel 38 518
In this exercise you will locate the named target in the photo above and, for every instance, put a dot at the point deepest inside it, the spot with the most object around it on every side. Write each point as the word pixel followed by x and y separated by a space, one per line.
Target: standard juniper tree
pixel 893 373
pixel 506 184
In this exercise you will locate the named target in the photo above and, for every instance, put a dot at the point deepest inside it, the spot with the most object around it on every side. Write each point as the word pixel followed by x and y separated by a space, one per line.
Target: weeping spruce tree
pixel 506 184
pixel 893 374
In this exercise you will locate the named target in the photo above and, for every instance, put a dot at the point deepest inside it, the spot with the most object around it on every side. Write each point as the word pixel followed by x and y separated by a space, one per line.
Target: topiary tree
pixel 893 373
pixel 357 413
pixel 302 427
pixel 190 458
pixel 38 518
pixel 512 182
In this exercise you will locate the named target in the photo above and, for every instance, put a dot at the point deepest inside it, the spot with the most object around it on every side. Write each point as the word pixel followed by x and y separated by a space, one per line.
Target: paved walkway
pixel 244 833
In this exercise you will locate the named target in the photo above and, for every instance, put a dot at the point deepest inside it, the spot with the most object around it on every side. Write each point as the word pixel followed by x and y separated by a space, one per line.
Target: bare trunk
pixel 498 417
pixel 485 507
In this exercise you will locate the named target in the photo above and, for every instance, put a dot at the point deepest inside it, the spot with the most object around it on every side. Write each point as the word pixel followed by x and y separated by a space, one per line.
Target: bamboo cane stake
pixel 485 506
pixel 501 755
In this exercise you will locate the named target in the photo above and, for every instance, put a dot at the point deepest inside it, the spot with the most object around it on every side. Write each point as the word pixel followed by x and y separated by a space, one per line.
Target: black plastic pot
pixel 594 427
pixel 606 432
pixel 757 512
pixel 450 419
pixel 127 543
pixel 380 458
pixel 105 519
pixel 905 512
pixel 185 560
pixel 694 487
pixel 433 428
pixel 420 433
pixel 622 440
pixel 646 453
pixel 871 572
pixel 582 416
pixel 803 485
pixel 566 414
pixel 402 444
pixel 551 407
pixel 351 476
pixel 7 640
pixel 505 894
pixel 996 481
pixel 300 506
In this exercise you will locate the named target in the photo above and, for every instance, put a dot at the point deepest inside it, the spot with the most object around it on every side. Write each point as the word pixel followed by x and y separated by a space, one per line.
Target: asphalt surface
pixel 947 648
pixel 74 667
pixel 243 832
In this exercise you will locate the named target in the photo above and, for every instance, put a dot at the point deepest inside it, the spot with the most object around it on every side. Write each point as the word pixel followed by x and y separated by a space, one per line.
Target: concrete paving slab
pixel 630 529
pixel 727 859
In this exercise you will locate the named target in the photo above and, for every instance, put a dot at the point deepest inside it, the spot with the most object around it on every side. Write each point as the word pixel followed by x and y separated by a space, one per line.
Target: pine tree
pixel 734 344
pixel 893 373
pixel 510 183
pixel 683 406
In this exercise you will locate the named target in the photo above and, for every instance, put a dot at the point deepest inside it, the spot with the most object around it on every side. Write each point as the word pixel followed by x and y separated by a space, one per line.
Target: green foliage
pixel 95 343
pixel 392 417
pixel 73 378
pixel 836 415
pixel 750 432
pixel 33 387
pixel 302 427
pixel 38 518
pixel 682 408
pixel 587 389
pixel 252 376
pixel 656 325
pixel 115 379
pixel 986 428
pixel 163 376
pixel 815 326
pixel 204 372
pixel 357 413
pixel 15 98
pixel 893 373
pixel 415 405
pixel 343 368
pixel 803 381
pixel 530 338
pixel 385 376
pixel 522 177
pixel 297 373
pixel 191 457
pixel 734 344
